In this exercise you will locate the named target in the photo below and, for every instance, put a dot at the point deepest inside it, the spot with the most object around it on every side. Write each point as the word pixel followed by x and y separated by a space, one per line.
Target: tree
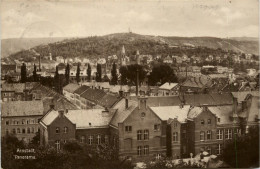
pixel 114 75
pixel 34 74
pixel 129 73
pixel 67 74
pixel 243 151
pixel 162 73
pixel 78 74
pixel 23 73
pixel 57 80
pixel 99 73
pixel 89 72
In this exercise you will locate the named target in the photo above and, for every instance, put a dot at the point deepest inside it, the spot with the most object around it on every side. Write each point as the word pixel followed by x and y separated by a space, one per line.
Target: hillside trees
pixel 23 73
pixel 89 72
pixel 129 74
pixel 114 75
pixel 160 74
pixel 78 73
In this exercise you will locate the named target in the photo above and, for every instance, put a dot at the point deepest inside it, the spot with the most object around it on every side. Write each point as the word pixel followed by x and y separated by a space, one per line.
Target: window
pixel 23 121
pixel 27 121
pixel 139 135
pixel 98 139
pixel 209 121
pixel 157 127
pixel 175 124
pixel 139 150
pixel 219 149
pixel 158 156
pixel 175 137
pixel 146 134
pixel 202 136
pixel 236 132
pixel 228 134
pixel 57 143
pixel 14 131
pixel 202 122
pixel 7 131
pixel 28 130
pixel 18 131
pixel 128 128
pixel 6 122
pixel 219 134
pixel 65 129
pixel 143 114
pixel 82 139
pixel 209 135
pixel 146 150
pixel 23 130
pixel 90 140
pixel 57 130
pixel 218 119
pixel 209 150
pixel 106 139
pixel 184 134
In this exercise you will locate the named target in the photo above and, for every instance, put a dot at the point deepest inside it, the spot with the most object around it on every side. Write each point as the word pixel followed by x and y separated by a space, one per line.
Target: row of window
pixel 23 121
pixel 156 128
pixel 22 130
pixel 228 134
pixel 99 139
pixel 142 134
pixel 65 130
pixel 202 122
pixel 142 150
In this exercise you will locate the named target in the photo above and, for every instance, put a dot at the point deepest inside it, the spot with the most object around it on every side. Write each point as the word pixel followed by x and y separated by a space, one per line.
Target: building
pixel 199 84
pixel 78 93
pixel 68 91
pixel 20 118
pixel 168 89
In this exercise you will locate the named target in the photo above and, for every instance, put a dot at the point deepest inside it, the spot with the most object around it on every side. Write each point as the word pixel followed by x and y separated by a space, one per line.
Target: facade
pixel 20 118
pixel 169 89
pixel 68 91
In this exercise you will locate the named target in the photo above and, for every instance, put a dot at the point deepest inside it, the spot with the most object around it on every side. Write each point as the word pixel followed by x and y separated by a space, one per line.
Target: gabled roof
pixel 81 89
pixel 225 113
pixel 194 112
pixel 93 94
pixel 71 87
pixel 121 112
pixel 84 119
pixel 22 108
pixel 242 95
pixel 109 100
pixel 168 86
pixel 167 112
pixel 49 97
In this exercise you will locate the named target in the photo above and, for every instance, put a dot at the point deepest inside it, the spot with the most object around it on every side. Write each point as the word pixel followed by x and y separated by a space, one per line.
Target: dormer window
pixel 218 119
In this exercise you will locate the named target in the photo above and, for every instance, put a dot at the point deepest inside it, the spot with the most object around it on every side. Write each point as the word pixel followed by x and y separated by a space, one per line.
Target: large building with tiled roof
pixel 150 127
pixel 68 91
pixel 20 118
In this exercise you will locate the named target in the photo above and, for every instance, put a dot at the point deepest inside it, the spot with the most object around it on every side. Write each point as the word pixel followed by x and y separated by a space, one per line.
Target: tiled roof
pixel 17 87
pixel 194 112
pixel 167 112
pixel 197 82
pixel 224 113
pixel 84 119
pixel 154 101
pixel 168 86
pixel 93 94
pixel 109 100
pixel 253 110
pixel 92 118
pixel 49 97
pixel 242 95
pixel 22 108
pixel 71 87
pixel 121 112
pixel 81 89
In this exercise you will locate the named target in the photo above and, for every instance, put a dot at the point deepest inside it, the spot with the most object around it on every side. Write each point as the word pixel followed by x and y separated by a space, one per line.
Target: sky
pixel 187 18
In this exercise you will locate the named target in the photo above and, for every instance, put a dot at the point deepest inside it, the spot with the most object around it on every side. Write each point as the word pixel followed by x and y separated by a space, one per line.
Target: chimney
pixel 127 94
pixel 52 104
pixel 121 93
pixel 142 102
pixel 61 113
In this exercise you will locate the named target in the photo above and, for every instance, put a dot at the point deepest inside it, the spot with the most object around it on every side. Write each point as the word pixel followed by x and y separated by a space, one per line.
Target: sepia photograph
pixel 123 84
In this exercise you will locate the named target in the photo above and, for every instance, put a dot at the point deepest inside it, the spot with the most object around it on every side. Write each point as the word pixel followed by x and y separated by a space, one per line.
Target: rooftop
pixel 71 87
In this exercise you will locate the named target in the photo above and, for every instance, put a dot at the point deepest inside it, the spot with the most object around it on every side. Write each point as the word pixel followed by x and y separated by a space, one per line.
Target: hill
pixel 102 46
pixel 10 46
